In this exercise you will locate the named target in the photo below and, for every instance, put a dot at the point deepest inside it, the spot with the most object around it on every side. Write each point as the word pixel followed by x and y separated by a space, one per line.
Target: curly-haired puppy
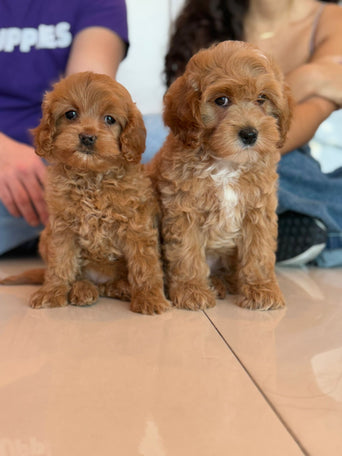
pixel 102 233
pixel 216 177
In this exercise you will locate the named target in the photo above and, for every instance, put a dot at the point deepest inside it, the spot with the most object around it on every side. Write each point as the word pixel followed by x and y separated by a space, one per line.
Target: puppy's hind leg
pixel 117 285
pixel 219 286
pixel 117 289
pixel 83 293
pixel 30 277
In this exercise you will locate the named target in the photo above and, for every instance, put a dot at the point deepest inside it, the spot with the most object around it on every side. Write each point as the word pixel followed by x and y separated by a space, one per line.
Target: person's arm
pixel 322 78
pixel 317 85
pixel 96 49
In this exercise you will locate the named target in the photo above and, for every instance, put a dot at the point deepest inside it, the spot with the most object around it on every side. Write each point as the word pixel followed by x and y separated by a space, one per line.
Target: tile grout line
pixel 268 401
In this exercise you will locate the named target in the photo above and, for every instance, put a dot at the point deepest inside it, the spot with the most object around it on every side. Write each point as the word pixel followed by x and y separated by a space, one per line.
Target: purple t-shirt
pixel 35 41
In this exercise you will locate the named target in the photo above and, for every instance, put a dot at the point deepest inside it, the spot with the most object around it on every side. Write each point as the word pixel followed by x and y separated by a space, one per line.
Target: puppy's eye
pixel 261 99
pixel 109 120
pixel 223 102
pixel 71 115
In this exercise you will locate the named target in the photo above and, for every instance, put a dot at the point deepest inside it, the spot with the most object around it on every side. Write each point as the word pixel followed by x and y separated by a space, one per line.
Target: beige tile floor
pixel 227 382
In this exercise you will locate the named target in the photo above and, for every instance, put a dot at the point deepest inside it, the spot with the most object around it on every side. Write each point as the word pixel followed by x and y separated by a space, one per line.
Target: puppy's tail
pixel 31 277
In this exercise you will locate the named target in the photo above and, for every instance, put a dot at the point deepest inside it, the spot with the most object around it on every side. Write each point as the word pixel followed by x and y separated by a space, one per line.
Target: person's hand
pixel 22 175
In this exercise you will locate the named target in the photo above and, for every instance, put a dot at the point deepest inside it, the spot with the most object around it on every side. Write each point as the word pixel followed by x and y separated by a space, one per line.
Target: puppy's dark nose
pixel 248 136
pixel 87 140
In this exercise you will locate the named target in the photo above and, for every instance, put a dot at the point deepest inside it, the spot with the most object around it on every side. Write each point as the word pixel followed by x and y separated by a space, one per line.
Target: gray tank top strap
pixel 314 28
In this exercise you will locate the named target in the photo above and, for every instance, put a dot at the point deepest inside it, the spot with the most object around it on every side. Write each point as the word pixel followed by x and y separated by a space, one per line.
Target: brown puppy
pixel 102 234
pixel 216 177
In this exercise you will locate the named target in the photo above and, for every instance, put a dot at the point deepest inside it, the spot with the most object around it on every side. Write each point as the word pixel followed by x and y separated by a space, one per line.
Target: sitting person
pixel 39 43
pixel 305 38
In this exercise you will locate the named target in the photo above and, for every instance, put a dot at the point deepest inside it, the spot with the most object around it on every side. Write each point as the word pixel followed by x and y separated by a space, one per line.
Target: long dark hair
pixel 201 23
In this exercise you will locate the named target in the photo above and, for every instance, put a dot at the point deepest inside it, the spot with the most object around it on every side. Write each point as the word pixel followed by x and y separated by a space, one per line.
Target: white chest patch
pixel 224 180
pixel 229 197
pixel 222 234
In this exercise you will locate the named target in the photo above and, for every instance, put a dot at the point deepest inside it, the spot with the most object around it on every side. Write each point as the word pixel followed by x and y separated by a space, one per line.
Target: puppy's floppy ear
pixel 133 136
pixel 181 110
pixel 286 105
pixel 44 133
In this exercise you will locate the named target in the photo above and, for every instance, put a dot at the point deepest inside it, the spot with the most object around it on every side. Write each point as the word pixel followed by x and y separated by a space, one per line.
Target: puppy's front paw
pixel 261 297
pixel 49 297
pixel 192 296
pixel 149 302
pixel 83 293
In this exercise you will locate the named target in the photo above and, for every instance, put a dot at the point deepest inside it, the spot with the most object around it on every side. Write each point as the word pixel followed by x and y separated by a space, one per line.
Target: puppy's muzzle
pixel 87 140
pixel 248 136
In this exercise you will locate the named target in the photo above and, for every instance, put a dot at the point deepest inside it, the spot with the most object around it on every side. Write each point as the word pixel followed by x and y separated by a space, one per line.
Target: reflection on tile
pixel 151 442
pixel 295 355
pixel 329 379
pixel 299 278
pixel 102 380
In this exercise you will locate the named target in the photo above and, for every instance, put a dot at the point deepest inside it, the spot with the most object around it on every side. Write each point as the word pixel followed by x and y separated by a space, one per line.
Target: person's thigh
pixel 15 231
pixel 156 135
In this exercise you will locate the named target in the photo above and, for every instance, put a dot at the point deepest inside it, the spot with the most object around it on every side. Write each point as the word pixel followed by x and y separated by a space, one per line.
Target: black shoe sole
pixel 301 239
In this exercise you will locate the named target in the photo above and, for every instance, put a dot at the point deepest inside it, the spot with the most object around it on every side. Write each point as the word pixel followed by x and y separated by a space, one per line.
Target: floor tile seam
pixel 258 387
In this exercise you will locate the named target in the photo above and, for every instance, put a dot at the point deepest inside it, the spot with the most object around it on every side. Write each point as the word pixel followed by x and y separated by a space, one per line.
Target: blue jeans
pixel 14 231
pixel 156 135
pixel 303 188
